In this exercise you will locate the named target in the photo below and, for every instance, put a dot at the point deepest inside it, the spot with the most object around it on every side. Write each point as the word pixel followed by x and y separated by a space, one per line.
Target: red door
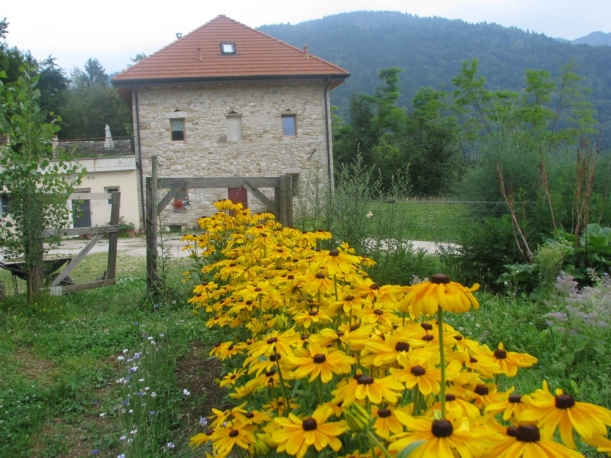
pixel 239 195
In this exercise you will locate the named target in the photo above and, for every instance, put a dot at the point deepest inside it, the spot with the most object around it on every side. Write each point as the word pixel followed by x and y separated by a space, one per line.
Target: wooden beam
pixel 221 182
pixel 151 229
pixel 113 238
pixel 170 195
pixel 59 290
pixel 269 204
pixel 78 258
pixel 80 231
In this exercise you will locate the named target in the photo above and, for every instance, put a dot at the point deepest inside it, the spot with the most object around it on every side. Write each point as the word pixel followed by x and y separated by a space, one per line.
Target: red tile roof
pixel 197 56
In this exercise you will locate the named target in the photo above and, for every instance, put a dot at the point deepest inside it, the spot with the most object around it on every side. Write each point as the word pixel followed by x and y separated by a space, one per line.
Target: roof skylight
pixel 228 48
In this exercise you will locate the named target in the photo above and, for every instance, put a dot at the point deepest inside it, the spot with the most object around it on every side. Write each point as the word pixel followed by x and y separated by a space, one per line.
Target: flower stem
pixel 375 440
pixel 442 361
pixel 287 406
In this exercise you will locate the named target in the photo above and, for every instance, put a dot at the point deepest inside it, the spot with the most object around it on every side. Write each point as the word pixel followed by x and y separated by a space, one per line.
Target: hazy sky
pixel 113 31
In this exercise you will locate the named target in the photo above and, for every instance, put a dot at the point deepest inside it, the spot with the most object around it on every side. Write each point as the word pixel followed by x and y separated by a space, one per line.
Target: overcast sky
pixel 113 31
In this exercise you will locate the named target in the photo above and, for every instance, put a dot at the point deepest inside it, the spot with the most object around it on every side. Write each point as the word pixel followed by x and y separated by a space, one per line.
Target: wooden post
pixel 151 229
pixel 113 237
pixel 283 195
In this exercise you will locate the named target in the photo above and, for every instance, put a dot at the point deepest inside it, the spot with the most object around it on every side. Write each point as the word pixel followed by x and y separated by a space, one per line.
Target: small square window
pixel 178 129
pixel 228 48
pixel 110 191
pixel 288 126
pixel 5 206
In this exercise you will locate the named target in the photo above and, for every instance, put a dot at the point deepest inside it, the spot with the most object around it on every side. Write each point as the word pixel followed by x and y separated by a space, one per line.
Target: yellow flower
pixel 367 387
pixel 509 361
pixel 232 377
pixel 550 412
pixel 525 442
pixel 336 261
pixel 425 297
pixel 295 436
pixel 386 421
pixel 319 361
pixel 420 370
pixel 225 438
pixel 283 344
pixel 442 438
pixel 511 407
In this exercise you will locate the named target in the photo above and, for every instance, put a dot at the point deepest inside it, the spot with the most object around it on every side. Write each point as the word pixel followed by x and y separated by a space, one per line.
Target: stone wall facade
pixel 263 149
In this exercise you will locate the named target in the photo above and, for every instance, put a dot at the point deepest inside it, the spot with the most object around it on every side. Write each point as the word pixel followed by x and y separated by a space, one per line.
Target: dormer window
pixel 227 48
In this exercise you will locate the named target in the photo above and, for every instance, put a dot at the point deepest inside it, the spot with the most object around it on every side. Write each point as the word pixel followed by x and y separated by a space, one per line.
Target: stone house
pixel 228 100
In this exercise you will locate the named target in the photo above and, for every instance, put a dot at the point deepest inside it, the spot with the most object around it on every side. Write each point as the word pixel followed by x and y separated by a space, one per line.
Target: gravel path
pixel 137 246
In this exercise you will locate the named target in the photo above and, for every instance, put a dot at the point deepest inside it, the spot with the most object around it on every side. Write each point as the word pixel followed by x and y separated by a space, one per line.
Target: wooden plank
pixel 288 199
pixel 221 182
pixel 170 195
pixel 113 238
pixel 151 229
pixel 78 258
pixel 269 204
pixel 80 231
pixel 90 196
pixel 59 290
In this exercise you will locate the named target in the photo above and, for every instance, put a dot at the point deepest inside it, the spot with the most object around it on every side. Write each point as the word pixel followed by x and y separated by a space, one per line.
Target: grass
pixel 60 368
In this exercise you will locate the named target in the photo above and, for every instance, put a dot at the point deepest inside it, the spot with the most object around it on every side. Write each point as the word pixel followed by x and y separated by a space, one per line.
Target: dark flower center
pixel 378 312
pixel 313 312
pixel 364 380
pixel 383 413
pixel 515 398
pixel 528 433
pixel 450 397
pixel 290 277
pixel 233 433
pixel 319 358
pixel 248 302
pixel 500 354
pixel 354 327
pixel 230 348
pixel 512 431
pixel 374 287
pixel 565 401
pixel 458 337
pixel 426 326
pixel 232 376
pixel 418 371
pixel 482 390
pixel 442 428
pixel 349 298
pixel 333 253
pixel 440 279
pixel 274 358
pixel 270 373
pixel 250 415
pixel 257 289
pixel 428 337
pixel 209 432
pixel 205 283
pixel 320 275
pixel 304 337
pixel 402 346
pixel 272 340
pixel 309 424
pixel 472 359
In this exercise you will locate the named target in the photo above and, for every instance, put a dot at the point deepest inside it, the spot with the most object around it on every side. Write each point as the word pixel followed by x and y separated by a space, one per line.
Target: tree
pixel 37 186
pixel 95 73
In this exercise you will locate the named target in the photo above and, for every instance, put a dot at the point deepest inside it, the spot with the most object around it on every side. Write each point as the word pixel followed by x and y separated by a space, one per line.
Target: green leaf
pixel 407 451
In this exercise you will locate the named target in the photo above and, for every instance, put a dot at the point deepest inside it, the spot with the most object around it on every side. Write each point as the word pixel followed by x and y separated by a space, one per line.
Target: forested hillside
pixel 430 52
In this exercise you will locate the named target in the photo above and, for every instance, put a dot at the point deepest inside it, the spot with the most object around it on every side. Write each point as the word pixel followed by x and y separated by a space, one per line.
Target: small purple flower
pixel 95 452
pixel 151 412
pixel 133 369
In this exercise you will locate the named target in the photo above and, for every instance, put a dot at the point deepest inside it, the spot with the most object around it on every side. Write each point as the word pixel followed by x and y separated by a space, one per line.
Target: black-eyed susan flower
pixel 366 387
pixel 442 438
pixel 318 361
pixel 386 421
pixel 226 437
pixel 525 441
pixel 231 378
pixel 295 435
pixel 336 261
pixel 418 369
pixel 425 297
pixel 562 411
pixel 511 406
pixel 508 361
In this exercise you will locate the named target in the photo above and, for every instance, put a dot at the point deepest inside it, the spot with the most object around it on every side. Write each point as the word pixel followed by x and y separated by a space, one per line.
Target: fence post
pixel 115 201
pixel 151 229
pixel 283 195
